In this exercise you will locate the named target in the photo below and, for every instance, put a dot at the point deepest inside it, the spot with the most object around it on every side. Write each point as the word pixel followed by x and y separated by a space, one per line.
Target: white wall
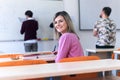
pixel 86 37
pixel 12 15
pixel 90 11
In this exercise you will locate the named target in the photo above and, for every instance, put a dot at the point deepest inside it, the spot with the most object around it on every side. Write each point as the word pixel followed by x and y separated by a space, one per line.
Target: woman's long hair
pixel 68 21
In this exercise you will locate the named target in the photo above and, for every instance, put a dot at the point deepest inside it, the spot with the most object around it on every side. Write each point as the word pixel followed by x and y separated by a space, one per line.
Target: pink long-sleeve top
pixel 69 46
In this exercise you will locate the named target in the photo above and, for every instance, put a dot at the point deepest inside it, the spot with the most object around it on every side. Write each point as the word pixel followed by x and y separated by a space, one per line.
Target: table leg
pixel 49 78
pixel 115 56
pixel 53 78
pixel 88 53
pixel 101 74
pixel 114 72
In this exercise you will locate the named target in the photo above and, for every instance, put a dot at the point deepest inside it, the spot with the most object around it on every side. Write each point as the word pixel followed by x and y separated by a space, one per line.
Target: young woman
pixel 69 45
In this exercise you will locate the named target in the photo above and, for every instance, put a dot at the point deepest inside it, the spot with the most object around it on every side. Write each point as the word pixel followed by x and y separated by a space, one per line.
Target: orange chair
pixel 80 76
pixel 23 62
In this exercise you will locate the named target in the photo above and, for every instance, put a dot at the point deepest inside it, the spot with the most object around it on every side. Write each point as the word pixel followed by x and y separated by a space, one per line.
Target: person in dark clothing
pixel 29 29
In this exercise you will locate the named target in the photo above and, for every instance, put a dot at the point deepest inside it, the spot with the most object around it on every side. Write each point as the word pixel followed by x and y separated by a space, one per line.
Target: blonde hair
pixel 69 22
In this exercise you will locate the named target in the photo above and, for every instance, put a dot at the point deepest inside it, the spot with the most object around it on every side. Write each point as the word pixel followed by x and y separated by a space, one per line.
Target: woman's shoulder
pixel 69 35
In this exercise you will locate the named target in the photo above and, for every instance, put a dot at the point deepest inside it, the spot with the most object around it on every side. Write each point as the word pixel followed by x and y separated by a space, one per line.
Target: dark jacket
pixel 29 28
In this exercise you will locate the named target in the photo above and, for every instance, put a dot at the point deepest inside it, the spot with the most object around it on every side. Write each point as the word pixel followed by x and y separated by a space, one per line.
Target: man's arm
pixel 22 29
pixel 95 33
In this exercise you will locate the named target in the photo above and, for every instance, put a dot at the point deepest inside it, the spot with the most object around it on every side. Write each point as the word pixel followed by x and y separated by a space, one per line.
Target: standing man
pixel 105 30
pixel 29 29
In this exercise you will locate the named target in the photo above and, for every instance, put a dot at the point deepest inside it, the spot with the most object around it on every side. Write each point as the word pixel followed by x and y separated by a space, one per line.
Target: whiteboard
pixel 11 10
pixel 90 10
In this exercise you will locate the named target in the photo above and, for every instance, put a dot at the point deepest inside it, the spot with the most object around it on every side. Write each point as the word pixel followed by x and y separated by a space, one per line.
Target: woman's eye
pixel 55 22
pixel 61 21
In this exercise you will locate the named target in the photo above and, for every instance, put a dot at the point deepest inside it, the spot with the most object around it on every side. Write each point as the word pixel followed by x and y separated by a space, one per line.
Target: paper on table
pixel 21 19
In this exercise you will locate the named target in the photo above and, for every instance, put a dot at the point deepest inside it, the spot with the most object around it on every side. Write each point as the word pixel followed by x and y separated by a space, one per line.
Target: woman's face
pixel 60 24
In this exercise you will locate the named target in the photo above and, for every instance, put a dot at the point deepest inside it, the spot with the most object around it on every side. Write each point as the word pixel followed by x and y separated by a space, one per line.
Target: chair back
pixel 21 62
pixel 81 58
pixel 80 76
